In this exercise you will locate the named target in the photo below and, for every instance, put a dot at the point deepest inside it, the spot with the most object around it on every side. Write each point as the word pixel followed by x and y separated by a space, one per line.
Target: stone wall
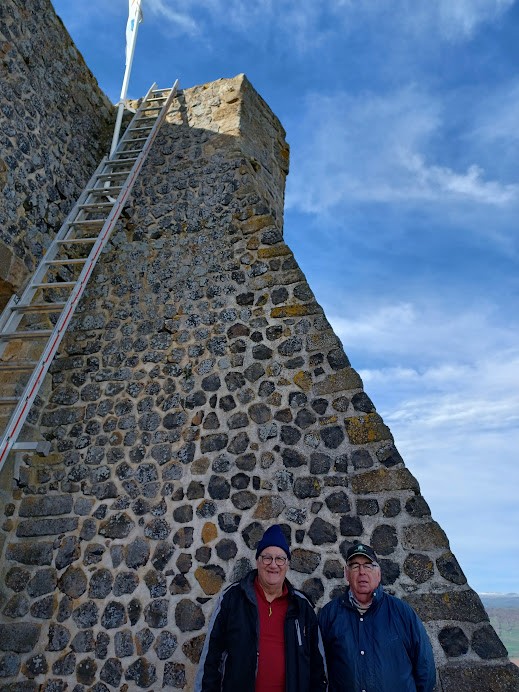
pixel 200 396
pixel 54 124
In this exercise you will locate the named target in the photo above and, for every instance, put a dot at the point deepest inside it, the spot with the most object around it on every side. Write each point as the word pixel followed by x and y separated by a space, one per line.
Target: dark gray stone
pixel 332 437
pixel 43 582
pixel 239 443
pixel 86 615
pixel 111 672
pixel 229 521
pixel 350 526
pixel 418 567
pixel 219 488
pixel 137 553
pixel 305 561
pixel 156 613
pixel 59 637
pixel 46 527
pixel 292 458
pixel 174 675
pixel 361 459
pixel 45 506
pixel 165 645
pixel 143 640
pixel 213 443
pixel 83 642
pixel 161 555
pixel 86 671
pixel 487 644
pixel 125 583
pixel 19 637
pixel 31 553
pixel 9 665
pixel 384 539
pixel 100 583
pixel 367 507
pixel 36 665
pixel 338 502
pixel 453 641
pixel 159 529
pixel 117 526
pixel 390 571
pixel 73 582
pixel 64 665
pixel 307 486
pixel 123 644
pixel 44 608
pixel 188 616
pixel 289 435
pixel 156 583
pixel 17 606
pixel 16 578
pixel 449 568
pixel 114 615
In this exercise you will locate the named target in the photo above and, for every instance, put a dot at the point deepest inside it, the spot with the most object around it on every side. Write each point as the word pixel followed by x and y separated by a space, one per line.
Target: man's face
pixel 362 580
pixel 272 576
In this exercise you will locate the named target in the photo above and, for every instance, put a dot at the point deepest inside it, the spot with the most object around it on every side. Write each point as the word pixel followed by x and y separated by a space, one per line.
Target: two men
pixel 263 635
pixel 374 641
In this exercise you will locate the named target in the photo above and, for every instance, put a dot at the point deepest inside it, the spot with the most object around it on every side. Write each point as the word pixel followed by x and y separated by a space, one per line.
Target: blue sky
pixel 402 207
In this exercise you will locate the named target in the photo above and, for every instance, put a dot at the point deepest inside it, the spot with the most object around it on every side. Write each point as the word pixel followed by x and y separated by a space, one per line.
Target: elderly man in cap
pixel 374 642
pixel 263 635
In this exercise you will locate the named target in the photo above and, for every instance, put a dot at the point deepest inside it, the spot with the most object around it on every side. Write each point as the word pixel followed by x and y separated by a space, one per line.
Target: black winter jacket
pixel 229 658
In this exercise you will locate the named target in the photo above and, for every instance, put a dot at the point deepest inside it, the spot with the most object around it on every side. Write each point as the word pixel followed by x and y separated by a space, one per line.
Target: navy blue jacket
pixel 229 658
pixel 385 650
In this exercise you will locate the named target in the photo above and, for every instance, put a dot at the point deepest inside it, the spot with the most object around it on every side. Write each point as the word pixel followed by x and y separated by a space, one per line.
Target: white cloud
pixel 423 332
pixel 372 148
pixel 460 19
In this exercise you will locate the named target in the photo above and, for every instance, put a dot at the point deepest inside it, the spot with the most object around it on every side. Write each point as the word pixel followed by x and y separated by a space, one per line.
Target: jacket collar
pixel 378 594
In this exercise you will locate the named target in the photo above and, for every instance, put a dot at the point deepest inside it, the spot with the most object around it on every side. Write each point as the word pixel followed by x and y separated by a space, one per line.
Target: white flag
pixel 134 18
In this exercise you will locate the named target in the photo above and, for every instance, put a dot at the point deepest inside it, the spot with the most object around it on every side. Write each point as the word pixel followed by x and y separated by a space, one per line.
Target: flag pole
pixel 134 19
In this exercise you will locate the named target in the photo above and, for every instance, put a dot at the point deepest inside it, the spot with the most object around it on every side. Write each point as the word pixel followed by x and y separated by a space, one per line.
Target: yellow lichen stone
pixel 209 532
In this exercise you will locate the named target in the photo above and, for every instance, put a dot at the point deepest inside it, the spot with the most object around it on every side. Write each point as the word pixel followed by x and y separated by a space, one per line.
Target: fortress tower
pixel 199 396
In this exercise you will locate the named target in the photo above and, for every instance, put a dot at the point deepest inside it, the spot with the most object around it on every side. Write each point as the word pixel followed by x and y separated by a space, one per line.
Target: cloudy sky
pixel 402 208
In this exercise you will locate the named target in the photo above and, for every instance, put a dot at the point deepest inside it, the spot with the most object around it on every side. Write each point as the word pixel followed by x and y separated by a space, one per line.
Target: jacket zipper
pixel 298 631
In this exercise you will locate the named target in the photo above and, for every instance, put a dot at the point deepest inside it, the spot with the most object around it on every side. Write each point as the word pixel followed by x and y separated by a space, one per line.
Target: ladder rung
pixel 67 261
pixel 56 284
pixel 76 241
pixel 119 161
pixel 25 365
pixel 129 151
pixel 96 205
pixel 135 139
pixel 9 400
pixel 42 447
pixel 32 334
pixel 39 307
pixel 103 190
pixel 113 174
pixel 86 222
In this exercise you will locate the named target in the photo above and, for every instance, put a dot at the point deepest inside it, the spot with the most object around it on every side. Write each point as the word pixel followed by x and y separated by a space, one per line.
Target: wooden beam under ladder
pixel 44 282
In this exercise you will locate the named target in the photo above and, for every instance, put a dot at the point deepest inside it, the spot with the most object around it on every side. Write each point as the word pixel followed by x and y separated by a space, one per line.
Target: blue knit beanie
pixel 273 536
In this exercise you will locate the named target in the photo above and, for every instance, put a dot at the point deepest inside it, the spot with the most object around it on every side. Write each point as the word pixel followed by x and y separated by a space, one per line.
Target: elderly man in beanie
pixel 374 641
pixel 263 635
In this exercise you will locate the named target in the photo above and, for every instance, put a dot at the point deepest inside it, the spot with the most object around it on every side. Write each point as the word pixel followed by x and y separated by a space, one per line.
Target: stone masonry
pixel 200 396
pixel 54 122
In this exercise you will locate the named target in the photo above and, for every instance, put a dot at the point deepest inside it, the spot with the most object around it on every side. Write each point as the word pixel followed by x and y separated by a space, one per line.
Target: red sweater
pixel 271 660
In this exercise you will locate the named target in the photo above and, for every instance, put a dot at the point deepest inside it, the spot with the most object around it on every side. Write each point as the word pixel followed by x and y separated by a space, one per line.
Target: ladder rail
pixel 32 387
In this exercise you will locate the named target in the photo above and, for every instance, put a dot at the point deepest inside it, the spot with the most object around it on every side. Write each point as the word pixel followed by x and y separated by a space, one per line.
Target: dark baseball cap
pixel 361 549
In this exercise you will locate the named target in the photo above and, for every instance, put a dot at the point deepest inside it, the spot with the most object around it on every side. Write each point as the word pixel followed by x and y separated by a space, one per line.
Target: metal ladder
pixel 33 325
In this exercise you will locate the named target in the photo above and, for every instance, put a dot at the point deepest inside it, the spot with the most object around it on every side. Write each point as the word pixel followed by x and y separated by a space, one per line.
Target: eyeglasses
pixel 279 560
pixel 368 566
